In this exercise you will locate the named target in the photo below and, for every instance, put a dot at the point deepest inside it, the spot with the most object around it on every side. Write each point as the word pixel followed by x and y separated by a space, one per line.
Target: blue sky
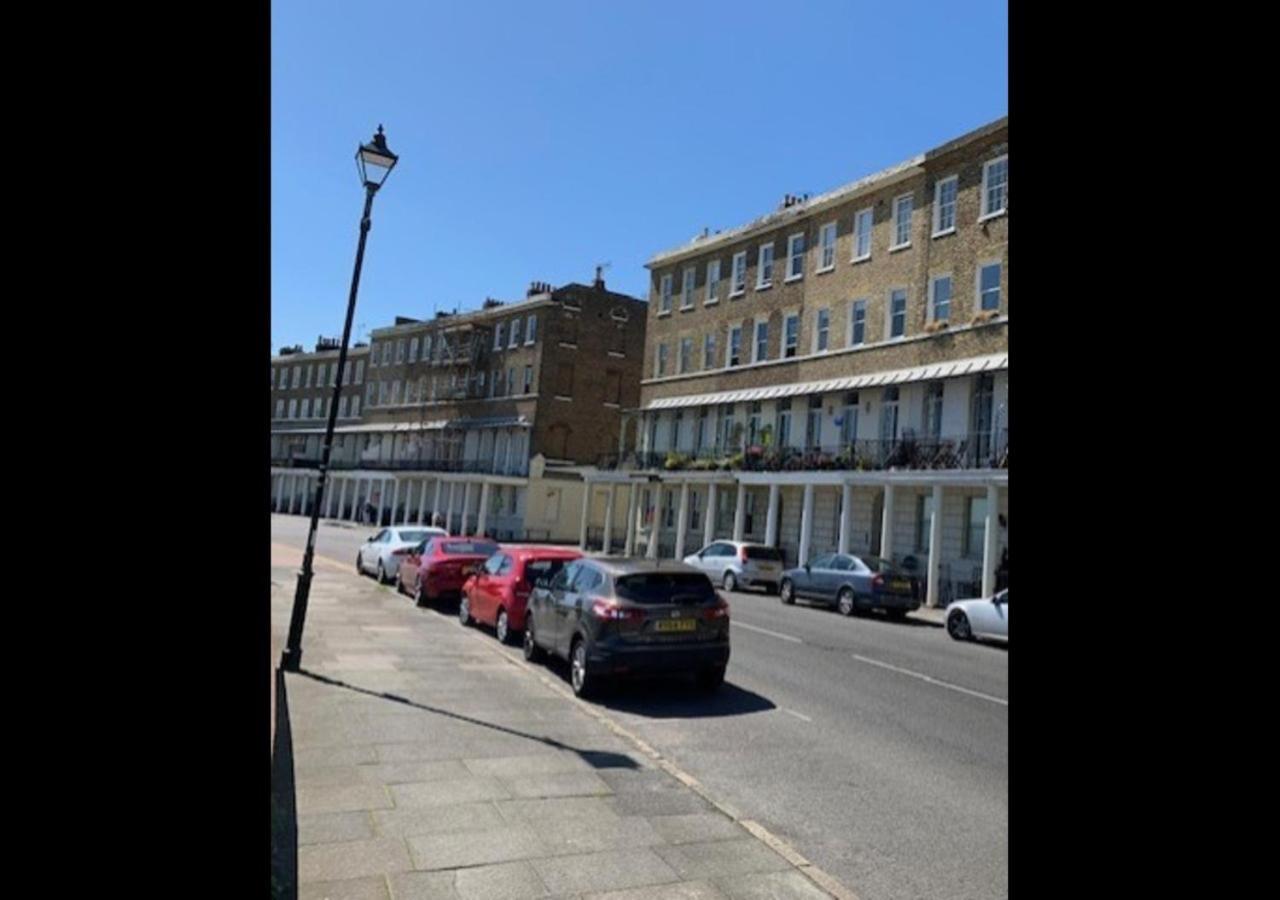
pixel 539 139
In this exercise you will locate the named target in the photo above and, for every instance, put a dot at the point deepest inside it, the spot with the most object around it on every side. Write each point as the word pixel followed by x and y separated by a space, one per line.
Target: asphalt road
pixel 878 750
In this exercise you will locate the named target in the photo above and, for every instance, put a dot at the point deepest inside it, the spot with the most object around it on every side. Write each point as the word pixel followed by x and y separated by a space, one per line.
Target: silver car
pixel 381 554
pixel 737 564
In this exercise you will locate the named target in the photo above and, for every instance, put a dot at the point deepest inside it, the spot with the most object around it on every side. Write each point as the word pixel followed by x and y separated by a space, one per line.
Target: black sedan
pixel 851 583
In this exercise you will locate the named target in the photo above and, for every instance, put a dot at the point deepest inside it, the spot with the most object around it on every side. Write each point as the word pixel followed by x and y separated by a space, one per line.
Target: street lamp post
pixel 375 163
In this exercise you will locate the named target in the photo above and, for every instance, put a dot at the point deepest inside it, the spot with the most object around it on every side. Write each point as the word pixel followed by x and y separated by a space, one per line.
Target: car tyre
pixel 502 627
pixel 958 626
pixel 730 581
pixel 787 592
pixel 844 602
pixel 532 652
pixel 359 564
pixel 580 679
pixel 382 573
pixel 464 610
pixel 710 679
pixel 419 598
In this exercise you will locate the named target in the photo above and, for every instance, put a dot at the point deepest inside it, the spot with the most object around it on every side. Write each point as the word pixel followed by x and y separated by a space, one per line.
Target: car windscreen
pixel 769 553
pixel 543 568
pixel 414 537
pixel 880 565
pixel 666 587
pixel 476 548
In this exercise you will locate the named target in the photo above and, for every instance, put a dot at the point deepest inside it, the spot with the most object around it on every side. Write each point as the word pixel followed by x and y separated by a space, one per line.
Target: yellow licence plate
pixel 901 585
pixel 676 625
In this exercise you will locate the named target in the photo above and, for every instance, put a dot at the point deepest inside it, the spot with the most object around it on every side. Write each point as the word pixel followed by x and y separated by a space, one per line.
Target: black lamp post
pixel 375 163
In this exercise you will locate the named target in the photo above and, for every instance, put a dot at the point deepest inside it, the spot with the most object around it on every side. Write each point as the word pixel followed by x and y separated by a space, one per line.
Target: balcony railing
pixel 981 451
pixel 480 466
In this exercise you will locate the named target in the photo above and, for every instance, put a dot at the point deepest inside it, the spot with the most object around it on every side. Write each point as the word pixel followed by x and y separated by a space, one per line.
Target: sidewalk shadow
pixel 598 759
pixel 284 809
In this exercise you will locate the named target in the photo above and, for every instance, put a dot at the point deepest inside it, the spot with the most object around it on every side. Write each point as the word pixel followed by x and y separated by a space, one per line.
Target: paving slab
pixel 474 848
pixel 608 870
pixel 374 888
pixel 352 859
pixel 336 827
pixel 458 818
pixel 710 859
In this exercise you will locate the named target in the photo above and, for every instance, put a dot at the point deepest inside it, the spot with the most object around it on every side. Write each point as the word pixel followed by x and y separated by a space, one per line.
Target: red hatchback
pixel 497 594
pixel 437 567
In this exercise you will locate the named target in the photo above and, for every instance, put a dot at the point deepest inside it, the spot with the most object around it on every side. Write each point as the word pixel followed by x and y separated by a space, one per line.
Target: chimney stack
pixel 598 284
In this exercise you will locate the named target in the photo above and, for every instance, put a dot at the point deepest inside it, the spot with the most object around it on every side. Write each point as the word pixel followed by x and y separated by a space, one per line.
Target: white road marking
pixel 801 716
pixel 777 634
pixel 930 679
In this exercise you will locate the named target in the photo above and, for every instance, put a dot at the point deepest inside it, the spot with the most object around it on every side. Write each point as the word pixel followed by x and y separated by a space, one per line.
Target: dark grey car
pixel 852 583
pixel 613 617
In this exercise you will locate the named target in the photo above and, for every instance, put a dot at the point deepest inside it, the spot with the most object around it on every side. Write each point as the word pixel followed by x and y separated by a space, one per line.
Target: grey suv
pixel 613 617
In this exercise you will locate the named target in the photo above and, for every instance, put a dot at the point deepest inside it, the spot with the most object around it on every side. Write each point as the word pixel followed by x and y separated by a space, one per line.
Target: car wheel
pixel 503 627
pixel 787 592
pixel 579 678
pixel 464 610
pixel 359 564
pixel 418 597
pixel 710 679
pixel 730 582
pixel 382 573
pixel 844 602
pixel 532 652
pixel 958 626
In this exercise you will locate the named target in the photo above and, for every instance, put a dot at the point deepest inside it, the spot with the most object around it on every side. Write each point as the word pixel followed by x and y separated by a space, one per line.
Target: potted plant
pixel 675 461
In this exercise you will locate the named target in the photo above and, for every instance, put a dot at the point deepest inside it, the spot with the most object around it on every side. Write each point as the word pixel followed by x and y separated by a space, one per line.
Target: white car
pixel 737 564
pixel 969 620
pixel 381 554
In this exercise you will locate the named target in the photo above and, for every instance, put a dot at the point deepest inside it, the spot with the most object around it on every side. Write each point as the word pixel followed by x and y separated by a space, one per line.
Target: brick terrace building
pixel 480 419
pixel 829 375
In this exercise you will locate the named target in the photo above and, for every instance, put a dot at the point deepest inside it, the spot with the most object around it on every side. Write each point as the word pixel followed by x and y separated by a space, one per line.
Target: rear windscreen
pixel 414 537
pixel 880 566
pixel 769 553
pixel 470 547
pixel 666 587
pixel 543 568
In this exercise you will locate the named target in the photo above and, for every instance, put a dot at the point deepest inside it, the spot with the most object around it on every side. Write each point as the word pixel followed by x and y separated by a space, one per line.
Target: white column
pixel 422 502
pixel 846 516
pixel 806 525
pixel 709 526
pixel 935 548
pixel 435 506
pixel 656 528
pixel 466 506
pixel 990 538
pixel 483 522
pixel 608 519
pixel 740 512
pixel 280 492
pixel 448 510
pixel 633 511
pixel 771 521
pixel 682 519
pixel 886 524
pixel 586 514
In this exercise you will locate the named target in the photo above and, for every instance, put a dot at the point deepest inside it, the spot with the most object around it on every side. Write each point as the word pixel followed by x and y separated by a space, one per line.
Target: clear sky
pixel 538 139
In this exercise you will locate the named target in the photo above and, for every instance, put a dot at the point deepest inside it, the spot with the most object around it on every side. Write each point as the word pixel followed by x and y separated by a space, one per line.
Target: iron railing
pixel 471 466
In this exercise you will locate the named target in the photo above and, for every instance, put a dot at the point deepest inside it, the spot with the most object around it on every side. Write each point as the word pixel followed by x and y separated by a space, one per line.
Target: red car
pixel 438 566
pixel 497 594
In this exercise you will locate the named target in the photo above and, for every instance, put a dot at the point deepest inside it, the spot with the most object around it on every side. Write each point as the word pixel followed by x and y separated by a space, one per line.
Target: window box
pixel 937 325
pixel 675 461
pixel 984 316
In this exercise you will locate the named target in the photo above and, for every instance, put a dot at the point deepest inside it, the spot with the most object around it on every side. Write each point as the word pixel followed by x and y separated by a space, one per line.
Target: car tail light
pixel 611 610
pixel 719 611
pixel 742 554
pixel 877 581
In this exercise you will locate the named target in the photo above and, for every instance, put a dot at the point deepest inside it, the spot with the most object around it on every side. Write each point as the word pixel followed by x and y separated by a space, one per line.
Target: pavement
pixel 430 762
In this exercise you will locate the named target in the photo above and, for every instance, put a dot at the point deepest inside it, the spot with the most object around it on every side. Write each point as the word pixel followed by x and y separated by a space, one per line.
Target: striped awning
pixel 932 372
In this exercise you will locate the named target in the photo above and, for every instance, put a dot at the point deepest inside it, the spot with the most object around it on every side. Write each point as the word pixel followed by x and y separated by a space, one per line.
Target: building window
pixel 849 418
pixel 297 376
pixel 977 527
pixel 749 517
pixel 411 392
pixel 902 207
pixel 858 323
pixel 321 379
pixel 343 406
pixel 989 286
pixel 360 371
pixel 933 410
pixel 686 297
pixel 386 353
pixel 784 422
pixel 695 510
pixel 762 342
pixel 795 257
pixel 309 374
pixel 940 302
pixel 823 332
pixel 279 409
pixel 665 304
pixel 395 391
pixel 981 418
pixel 686 353
pixel 713 280
pixel 995 187
pixel 668 509
pixel 739 274
pixel 293 409
pixel 400 351
pixel 764 267
pixel 889 416
pixel 897 312
pixel 735 346
pixel 273 376
pixel 511 381
pixel 662 360
pixel 528 379
pixel 384 389
pixel 700 430
pixel 862 235
pixel 709 351
pixel 827 240
pixel 306 407
pixel 426 347
pixel 924 515
pixel 531 332
pixel 371 394
pixel 499 332
pixel 413 349
pixel 319 408
pixel 355 404
pixel 515 333
pixel 813 423
pixel 944 206
pixel 791 335
pixel 727 426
